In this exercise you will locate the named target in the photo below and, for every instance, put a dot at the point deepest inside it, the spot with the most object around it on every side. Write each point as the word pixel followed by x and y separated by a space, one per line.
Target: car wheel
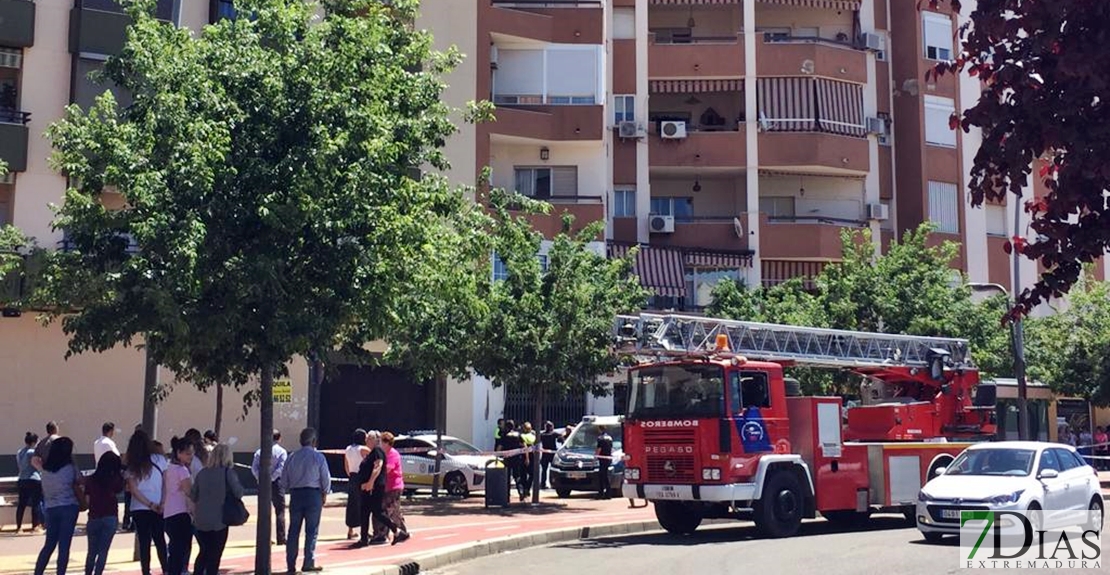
pixel 933 537
pixel 1037 518
pixel 455 484
pixel 1094 515
pixel 779 512
pixel 562 493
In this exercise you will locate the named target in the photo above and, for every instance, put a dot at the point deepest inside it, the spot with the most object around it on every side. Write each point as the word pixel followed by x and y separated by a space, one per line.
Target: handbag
pixel 81 495
pixel 234 512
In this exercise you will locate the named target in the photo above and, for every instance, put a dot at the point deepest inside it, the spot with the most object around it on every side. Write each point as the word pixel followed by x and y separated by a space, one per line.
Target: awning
pixel 694 86
pixel 691 2
pixel 850 5
pixel 725 260
pixel 660 269
pixel 779 271
pixel 841 107
pixel 786 104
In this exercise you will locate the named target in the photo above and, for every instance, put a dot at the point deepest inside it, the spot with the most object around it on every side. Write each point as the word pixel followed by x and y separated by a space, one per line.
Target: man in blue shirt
pixel 277 493
pixel 308 481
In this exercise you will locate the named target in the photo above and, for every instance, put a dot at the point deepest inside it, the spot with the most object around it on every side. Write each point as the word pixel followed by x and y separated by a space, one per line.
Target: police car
pixel 575 467
pixel 462 467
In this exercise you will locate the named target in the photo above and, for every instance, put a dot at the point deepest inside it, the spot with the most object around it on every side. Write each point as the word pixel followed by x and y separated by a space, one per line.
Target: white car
pixel 462 466
pixel 1010 476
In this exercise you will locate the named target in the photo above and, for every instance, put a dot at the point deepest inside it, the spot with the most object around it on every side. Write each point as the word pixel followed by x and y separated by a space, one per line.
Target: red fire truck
pixel 714 430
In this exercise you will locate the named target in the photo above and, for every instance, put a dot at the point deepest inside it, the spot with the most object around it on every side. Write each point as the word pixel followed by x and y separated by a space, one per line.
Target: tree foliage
pixel 266 166
pixel 1043 109
pixel 11 241
pixel 909 290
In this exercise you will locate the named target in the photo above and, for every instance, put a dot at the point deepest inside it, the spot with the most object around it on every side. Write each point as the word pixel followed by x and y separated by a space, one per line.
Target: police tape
pixel 504 454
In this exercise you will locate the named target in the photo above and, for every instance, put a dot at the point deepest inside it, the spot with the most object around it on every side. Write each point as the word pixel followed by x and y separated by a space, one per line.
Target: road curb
pixel 468 551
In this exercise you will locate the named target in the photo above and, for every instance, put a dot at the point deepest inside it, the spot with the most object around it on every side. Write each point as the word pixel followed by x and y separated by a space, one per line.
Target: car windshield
pixel 677 390
pixel 459 447
pixel 1015 462
pixel 585 437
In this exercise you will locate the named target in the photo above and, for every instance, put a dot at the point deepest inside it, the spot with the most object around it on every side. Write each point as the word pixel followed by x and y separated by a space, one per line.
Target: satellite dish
pixel 738 227
pixel 808 66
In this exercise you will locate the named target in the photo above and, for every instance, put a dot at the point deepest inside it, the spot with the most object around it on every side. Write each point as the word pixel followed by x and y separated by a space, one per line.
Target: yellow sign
pixel 283 391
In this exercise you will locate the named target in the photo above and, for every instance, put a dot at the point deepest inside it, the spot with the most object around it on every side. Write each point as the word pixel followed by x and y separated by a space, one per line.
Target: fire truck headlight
pixel 632 473
pixel 711 474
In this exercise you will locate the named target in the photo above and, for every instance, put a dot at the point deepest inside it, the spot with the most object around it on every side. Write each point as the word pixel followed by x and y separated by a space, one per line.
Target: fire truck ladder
pixel 681 335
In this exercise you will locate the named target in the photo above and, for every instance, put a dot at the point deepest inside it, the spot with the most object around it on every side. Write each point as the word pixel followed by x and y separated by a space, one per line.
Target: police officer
pixel 604 453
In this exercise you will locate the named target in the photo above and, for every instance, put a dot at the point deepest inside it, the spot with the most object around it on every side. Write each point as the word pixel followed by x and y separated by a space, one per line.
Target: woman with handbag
pixel 217 497
pixel 64 495
pixel 103 488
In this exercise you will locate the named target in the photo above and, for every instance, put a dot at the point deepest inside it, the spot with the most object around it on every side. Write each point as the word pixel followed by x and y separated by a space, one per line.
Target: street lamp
pixel 1018 347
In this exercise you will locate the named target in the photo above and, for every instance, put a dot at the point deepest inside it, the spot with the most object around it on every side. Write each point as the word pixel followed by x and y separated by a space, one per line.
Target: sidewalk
pixel 434 524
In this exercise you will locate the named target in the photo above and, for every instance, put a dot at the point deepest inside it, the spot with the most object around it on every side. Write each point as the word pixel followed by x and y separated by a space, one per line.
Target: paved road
pixel 887 546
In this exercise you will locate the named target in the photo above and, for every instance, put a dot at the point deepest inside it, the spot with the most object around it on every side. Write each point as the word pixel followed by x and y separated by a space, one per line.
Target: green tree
pixel 11 240
pixel 911 290
pixel 1069 349
pixel 266 166
pixel 551 331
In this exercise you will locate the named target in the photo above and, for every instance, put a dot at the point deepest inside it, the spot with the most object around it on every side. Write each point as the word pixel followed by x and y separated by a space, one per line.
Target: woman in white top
pixel 144 482
pixel 352 459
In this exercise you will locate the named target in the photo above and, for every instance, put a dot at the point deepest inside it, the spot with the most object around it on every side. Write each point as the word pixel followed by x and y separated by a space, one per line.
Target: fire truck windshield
pixel 677 390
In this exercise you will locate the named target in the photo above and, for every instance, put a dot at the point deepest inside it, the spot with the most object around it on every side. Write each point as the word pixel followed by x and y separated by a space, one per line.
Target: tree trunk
pixel 150 413
pixel 441 423
pixel 219 409
pixel 316 378
pixel 265 456
pixel 537 424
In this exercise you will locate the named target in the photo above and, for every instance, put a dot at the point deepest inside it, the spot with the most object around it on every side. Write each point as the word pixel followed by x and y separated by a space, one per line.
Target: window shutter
pixel 564 181
pixel 944 207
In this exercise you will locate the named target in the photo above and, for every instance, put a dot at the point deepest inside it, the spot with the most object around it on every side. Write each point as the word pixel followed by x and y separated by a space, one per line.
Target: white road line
pixel 434 537
pixel 502 528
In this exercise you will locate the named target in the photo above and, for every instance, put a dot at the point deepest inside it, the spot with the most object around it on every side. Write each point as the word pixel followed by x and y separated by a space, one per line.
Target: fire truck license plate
pixel 950 513
pixel 668 492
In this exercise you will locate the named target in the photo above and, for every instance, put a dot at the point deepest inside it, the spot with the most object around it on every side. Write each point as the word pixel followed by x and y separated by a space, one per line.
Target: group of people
pixel 172 499
pixel 1089 444
pixel 376 483
pixel 508 437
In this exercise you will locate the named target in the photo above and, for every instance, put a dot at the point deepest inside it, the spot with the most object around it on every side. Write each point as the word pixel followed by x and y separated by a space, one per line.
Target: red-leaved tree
pixel 1045 68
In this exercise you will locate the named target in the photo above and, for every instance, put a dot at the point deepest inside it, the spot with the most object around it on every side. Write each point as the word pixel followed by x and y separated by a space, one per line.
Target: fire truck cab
pixel 712 432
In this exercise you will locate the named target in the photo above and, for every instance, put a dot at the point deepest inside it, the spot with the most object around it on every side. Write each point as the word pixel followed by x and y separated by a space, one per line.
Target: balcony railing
pixel 846 222
pixel 842 40
pixel 13 116
pixel 543 100
pixel 546 3
pixel 670 39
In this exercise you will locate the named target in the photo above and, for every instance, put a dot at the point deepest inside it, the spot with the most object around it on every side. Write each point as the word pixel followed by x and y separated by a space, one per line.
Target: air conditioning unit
pixel 876 42
pixel 661 224
pixel 672 130
pixel 880 212
pixel 628 130
pixel 10 58
pixel 876 126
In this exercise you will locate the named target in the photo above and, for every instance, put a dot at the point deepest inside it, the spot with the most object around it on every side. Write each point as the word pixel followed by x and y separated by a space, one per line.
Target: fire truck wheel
pixel 779 512
pixel 676 517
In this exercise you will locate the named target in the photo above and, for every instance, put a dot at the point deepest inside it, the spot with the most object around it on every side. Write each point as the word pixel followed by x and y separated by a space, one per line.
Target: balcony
pixel 100 26
pixel 700 149
pixel 704 232
pixel 13 138
pixel 585 209
pixel 798 237
pixel 549 123
pixel 555 21
pixel 783 55
pixel 692 57
pixel 17 23
pixel 817 152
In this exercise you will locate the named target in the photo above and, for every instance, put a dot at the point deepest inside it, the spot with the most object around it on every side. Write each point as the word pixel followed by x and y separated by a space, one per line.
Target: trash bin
pixel 497 484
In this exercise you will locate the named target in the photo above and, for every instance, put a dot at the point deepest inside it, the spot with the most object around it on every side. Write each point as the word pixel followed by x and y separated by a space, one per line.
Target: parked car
pixel 462 467
pixel 1011 476
pixel 575 467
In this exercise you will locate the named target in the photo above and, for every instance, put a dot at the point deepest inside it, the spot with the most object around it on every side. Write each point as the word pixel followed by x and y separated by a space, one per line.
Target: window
pixel 547 182
pixel 996 219
pixel 500 270
pixel 624 204
pixel 565 75
pixel 884 138
pixel 1048 461
pixel 701 281
pixel 937 30
pixel 624 23
pixel 777 206
pixel 944 207
pixel 1066 459
pixel 748 389
pixel 225 9
pixel 937 113
pixel 624 108
pixel 680 208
